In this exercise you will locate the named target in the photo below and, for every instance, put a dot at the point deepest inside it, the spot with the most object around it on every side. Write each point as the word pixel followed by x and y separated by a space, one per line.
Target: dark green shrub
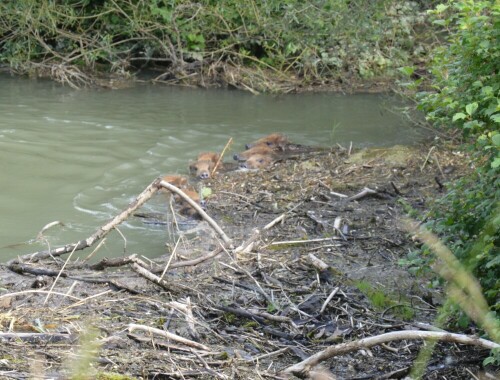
pixel 316 40
pixel 465 98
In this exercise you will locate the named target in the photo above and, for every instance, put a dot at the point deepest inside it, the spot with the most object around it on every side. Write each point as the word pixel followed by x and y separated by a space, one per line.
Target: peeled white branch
pixel 339 349
pixel 165 334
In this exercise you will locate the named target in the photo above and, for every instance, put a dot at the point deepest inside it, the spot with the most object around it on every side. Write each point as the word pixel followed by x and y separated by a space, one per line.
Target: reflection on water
pixel 81 156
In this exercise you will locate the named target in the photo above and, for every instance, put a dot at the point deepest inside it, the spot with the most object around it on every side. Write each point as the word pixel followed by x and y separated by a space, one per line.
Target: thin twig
pixel 59 275
pixel 220 156
pixel 151 330
pixel 427 158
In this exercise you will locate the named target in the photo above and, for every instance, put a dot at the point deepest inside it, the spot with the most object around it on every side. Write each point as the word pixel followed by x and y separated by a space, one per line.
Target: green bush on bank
pixel 315 40
pixel 465 98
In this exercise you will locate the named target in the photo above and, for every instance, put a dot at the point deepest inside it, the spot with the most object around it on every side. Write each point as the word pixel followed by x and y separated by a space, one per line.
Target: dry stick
pixel 190 320
pixel 317 263
pixel 124 239
pixel 220 156
pixel 187 310
pixel 113 262
pixel 168 335
pixel 58 275
pixel 339 349
pixel 328 299
pixel 198 260
pixel 438 165
pixel 197 207
pixel 39 236
pixel 275 221
pixel 91 254
pixel 305 241
pixel 151 277
pixel 363 193
pixel 81 302
pixel 274 353
pixel 99 234
pixel 7 295
pixel 170 258
pixel 338 194
pixel 427 158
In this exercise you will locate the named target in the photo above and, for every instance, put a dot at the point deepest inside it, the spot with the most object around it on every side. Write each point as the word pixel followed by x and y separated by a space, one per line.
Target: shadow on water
pixel 81 156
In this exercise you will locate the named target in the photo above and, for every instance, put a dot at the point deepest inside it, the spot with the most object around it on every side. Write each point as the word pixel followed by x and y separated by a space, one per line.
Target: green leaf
pixel 496 163
pixel 487 91
pixel 439 22
pixel 459 116
pixel 407 70
pixel 496 117
pixel 206 192
pixel 440 8
pixel 496 139
pixel 471 108
pixel 471 124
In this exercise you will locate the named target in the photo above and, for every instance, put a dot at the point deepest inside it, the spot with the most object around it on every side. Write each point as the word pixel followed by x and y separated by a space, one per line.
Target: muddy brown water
pixel 80 156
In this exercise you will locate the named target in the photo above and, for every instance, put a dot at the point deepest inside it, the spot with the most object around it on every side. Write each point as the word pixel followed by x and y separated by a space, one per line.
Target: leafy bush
pixel 466 99
pixel 315 40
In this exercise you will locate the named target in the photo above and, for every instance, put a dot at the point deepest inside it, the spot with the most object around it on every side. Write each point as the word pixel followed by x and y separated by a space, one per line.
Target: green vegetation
pixel 251 45
pixel 382 301
pixel 465 101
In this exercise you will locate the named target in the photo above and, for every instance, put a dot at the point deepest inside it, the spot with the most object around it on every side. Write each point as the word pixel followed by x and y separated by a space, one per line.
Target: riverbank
pixel 318 263
pixel 267 47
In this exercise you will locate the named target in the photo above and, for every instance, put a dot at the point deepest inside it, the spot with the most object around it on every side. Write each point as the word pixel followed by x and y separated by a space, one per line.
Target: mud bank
pixel 314 261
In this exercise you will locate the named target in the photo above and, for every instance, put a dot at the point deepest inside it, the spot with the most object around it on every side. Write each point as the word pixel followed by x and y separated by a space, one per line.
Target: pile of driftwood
pixel 198 345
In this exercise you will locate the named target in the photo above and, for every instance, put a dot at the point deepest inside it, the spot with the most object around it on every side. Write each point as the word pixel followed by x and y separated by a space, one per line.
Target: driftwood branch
pixel 165 334
pixel 299 242
pixel 151 277
pixel 196 261
pixel 317 263
pixel 363 193
pixel 99 234
pixel 339 349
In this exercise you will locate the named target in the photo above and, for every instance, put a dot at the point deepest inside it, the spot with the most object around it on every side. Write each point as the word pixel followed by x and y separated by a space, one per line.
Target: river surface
pixel 80 156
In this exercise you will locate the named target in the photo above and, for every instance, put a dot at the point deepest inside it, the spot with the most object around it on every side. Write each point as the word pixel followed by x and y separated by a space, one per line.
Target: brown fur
pixel 209 156
pixel 177 180
pixel 275 141
pixel 205 164
pixel 258 149
pixel 185 208
pixel 258 161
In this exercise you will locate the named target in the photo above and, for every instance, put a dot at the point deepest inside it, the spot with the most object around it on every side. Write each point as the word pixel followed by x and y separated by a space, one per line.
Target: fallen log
pixel 306 365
